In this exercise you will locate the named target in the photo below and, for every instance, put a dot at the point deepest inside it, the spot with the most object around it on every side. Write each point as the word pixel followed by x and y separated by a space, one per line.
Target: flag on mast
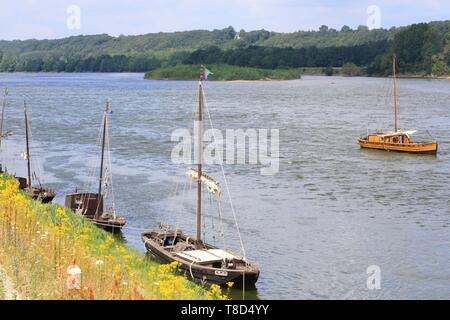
pixel 206 73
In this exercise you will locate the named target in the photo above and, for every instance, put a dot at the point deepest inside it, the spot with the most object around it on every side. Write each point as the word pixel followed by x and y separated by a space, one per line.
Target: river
pixel 331 211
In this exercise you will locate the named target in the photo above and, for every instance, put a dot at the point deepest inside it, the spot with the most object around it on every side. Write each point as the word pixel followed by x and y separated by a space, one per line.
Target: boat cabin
pixel 23 183
pixel 391 138
pixel 400 137
pixel 87 204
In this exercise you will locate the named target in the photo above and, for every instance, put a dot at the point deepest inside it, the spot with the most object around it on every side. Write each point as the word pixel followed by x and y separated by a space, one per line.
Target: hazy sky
pixel 24 19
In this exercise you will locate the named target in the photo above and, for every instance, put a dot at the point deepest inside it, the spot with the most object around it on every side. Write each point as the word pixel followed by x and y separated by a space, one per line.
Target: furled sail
pixel 212 185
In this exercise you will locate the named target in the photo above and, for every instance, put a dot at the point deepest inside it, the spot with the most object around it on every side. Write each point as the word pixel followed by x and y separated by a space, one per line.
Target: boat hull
pixel 109 225
pixel 39 194
pixel 414 148
pixel 92 210
pixel 203 274
pixel 44 199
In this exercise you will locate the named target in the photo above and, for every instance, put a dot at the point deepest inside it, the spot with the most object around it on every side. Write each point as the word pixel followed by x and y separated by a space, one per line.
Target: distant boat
pixel 199 260
pixel 91 205
pixel 397 140
pixel 36 192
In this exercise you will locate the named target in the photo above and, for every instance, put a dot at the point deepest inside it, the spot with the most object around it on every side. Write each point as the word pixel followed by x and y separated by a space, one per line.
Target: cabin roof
pixel 206 255
pixel 393 134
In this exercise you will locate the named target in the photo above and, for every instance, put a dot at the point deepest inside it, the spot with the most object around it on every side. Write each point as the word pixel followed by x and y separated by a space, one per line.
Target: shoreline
pixel 318 74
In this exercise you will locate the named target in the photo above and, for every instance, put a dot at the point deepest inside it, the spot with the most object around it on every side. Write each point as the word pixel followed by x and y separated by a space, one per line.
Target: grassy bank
pixel 39 242
pixel 222 72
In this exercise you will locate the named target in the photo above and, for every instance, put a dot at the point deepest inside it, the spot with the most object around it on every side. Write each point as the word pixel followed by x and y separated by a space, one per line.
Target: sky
pixel 50 19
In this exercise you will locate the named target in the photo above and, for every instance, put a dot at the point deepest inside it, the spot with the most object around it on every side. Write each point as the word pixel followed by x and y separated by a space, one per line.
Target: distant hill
pixel 227 38
pixel 146 52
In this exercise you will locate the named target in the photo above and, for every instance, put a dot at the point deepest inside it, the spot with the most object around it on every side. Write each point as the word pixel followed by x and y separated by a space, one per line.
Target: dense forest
pixel 421 49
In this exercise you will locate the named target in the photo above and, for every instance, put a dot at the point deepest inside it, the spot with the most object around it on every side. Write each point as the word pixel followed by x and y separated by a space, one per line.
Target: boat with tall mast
pixel 5 94
pixel 7 133
pixel 41 193
pixel 91 205
pixel 397 140
pixel 200 261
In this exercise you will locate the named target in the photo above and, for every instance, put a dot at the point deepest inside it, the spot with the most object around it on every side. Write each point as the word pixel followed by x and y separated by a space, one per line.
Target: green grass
pixel 222 72
pixel 2 289
pixel 39 242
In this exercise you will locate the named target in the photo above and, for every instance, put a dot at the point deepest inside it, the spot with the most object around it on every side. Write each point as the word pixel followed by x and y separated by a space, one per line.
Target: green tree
pixel 351 70
pixel 415 47
pixel 329 71
pixel 323 28
pixel 439 65
pixel 346 29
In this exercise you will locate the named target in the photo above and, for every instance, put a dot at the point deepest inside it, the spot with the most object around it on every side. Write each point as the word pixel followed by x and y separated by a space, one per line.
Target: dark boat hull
pixel 92 206
pixel 108 225
pixel 43 195
pixel 201 274
pixel 44 199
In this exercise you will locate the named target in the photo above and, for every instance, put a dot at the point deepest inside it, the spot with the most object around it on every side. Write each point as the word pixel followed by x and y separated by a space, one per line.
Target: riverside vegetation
pixel 422 50
pixel 38 242
pixel 222 72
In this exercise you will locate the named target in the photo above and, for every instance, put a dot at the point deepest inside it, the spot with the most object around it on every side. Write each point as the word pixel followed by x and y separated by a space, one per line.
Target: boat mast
pixel 395 91
pixel 3 115
pixel 103 155
pixel 200 151
pixel 28 146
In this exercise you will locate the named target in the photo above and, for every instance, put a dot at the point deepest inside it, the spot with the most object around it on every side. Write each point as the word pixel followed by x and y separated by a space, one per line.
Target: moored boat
pixel 39 192
pixel 92 205
pixel 200 261
pixel 397 140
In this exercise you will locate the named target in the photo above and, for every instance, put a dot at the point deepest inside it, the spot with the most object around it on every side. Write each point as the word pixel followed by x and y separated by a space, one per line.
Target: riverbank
pixel 40 243
pixel 7 290
pixel 222 72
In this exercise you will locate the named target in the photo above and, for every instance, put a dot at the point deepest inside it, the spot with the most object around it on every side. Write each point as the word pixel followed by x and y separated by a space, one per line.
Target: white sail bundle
pixel 212 185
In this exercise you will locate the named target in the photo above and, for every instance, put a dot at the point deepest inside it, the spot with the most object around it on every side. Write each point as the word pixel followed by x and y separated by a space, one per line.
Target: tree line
pixel 420 48
pixel 283 58
pixel 77 63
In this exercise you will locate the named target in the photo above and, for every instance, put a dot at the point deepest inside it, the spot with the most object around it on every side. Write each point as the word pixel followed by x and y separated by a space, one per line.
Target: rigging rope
pixel 94 163
pixel 225 179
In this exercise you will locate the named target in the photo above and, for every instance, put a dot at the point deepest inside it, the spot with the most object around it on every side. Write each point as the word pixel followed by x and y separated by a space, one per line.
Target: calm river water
pixel 315 227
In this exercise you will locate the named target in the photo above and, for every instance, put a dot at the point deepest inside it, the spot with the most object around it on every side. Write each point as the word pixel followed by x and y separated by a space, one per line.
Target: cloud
pixel 46 18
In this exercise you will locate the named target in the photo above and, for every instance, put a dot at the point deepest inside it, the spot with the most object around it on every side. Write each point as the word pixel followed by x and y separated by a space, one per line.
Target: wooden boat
pixel 200 261
pixel 92 205
pixel 8 133
pixel 397 140
pixel 2 134
pixel 40 193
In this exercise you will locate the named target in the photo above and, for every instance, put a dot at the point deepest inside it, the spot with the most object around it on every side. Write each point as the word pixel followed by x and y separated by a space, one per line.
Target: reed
pixel 38 242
